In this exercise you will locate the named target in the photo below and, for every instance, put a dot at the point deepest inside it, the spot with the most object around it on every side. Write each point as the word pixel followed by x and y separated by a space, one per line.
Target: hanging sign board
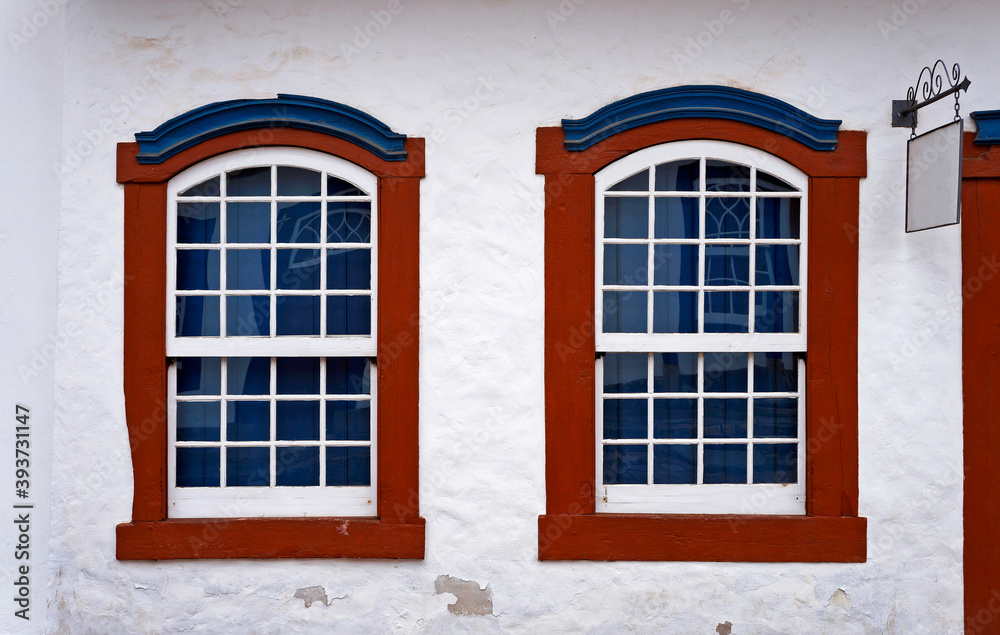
pixel 934 178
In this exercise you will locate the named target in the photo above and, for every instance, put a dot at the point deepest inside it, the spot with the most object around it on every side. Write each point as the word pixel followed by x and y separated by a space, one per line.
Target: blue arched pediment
pixel 987 126
pixel 713 102
pixel 292 111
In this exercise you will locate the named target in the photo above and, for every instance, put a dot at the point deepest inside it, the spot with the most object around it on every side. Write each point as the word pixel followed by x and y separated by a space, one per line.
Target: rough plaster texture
pixel 476 79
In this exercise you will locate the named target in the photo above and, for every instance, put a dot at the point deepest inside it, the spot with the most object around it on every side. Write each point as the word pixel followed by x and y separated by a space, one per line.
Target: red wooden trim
pixel 979 161
pixel 735 538
pixel 848 160
pixel 270 538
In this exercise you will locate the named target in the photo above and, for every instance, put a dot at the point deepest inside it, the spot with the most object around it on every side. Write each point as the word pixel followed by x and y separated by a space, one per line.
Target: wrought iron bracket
pixel 931 89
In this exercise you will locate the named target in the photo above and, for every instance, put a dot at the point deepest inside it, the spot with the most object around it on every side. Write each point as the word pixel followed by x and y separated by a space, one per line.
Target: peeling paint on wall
pixel 840 599
pixel 469 598
pixel 312 594
pixel 726 628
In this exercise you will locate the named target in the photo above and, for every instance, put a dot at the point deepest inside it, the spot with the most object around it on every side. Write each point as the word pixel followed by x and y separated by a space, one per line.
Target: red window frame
pixel 398 529
pixel 831 530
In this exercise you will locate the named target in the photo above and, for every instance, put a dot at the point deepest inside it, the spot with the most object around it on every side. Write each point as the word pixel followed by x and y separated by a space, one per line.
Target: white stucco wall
pixel 475 80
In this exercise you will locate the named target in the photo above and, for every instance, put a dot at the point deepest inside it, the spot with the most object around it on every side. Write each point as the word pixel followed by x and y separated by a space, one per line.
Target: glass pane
pixel 770 183
pixel 197 222
pixel 208 187
pixel 675 264
pixel 775 372
pixel 727 217
pixel 298 269
pixel 198 467
pixel 777 264
pixel 725 463
pixel 775 418
pixel 198 420
pixel 248 222
pixel 675 312
pixel 727 311
pixel 248 269
pixel 775 463
pixel 727 264
pixel 722 176
pixel 726 372
pixel 348 376
pixel 297 315
pixel 297 182
pixel 349 222
pixel 675 419
pixel 296 467
pixel 675 372
pixel 249 182
pixel 625 372
pixel 348 420
pixel 248 315
pixel 340 187
pixel 678 176
pixel 199 376
pixel 297 420
pixel 248 421
pixel 777 218
pixel 676 217
pixel 675 464
pixel 349 269
pixel 297 375
pixel 348 466
pixel 248 375
pixel 625 264
pixel 626 217
pixel 197 269
pixel 625 464
pixel 299 222
pixel 625 419
pixel 348 315
pixel 624 311
pixel 776 312
pixel 198 316
pixel 248 467
pixel 725 418
pixel 635 183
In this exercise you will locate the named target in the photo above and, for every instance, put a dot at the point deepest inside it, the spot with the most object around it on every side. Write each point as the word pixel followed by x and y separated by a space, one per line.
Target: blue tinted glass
pixel 776 418
pixel 727 311
pixel 347 376
pixel 675 311
pixel 625 264
pixel 348 420
pixel 248 222
pixel 770 183
pixel 348 466
pixel 299 222
pixel 248 375
pixel 297 467
pixel 675 264
pixel 678 176
pixel 348 315
pixel 626 217
pixel 197 222
pixel 675 464
pixel 197 269
pixel 296 420
pixel 625 419
pixel 297 375
pixel 775 372
pixel 635 183
pixel 727 264
pixel 624 311
pixel 727 217
pixel 298 269
pixel 248 467
pixel 249 182
pixel 725 418
pixel 248 315
pixel 340 187
pixel 725 463
pixel 675 372
pixel 776 312
pixel 208 187
pixel 198 420
pixel 676 217
pixel 248 269
pixel 777 264
pixel 775 463
pixel 199 376
pixel 349 222
pixel 625 372
pixel 722 176
pixel 777 218
pixel 198 315
pixel 675 418
pixel 298 182
pixel 297 315
pixel 726 372
pixel 198 467
pixel 349 269
pixel 625 464
pixel 248 421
